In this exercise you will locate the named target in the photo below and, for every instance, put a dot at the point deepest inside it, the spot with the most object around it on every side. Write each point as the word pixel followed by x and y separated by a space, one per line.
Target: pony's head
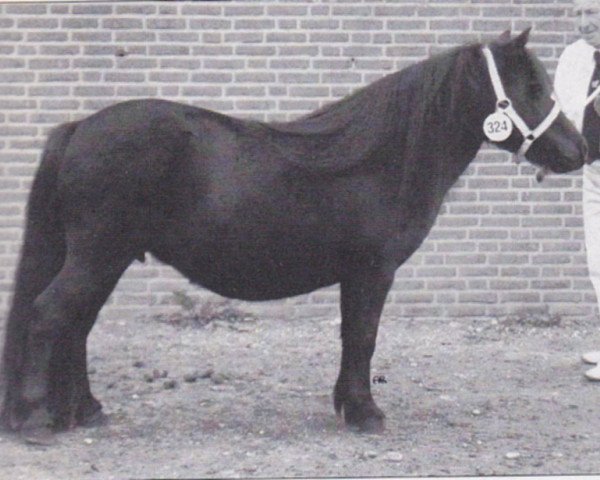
pixel 521 112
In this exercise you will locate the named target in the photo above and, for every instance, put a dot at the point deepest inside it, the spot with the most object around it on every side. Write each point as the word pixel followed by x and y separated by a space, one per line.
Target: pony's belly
pixel 258 274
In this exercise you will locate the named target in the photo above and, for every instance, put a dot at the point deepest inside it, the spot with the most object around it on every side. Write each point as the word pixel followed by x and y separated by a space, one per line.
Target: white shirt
pixel 572 79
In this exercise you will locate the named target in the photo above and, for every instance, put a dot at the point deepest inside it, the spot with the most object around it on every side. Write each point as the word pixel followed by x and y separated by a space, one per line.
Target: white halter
pixel 592 96
pixel 504 105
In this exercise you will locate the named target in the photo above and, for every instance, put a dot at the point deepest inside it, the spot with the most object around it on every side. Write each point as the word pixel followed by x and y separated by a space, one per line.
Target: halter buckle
pixel 503 104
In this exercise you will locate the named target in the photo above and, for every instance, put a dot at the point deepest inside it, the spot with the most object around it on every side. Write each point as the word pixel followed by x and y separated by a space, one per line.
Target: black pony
pixel 255 211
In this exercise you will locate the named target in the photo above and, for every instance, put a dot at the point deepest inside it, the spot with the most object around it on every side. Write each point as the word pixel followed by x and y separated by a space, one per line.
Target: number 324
pixel 497 126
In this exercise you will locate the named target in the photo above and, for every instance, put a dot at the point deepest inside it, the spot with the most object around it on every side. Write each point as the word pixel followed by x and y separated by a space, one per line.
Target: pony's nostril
pixel 541 174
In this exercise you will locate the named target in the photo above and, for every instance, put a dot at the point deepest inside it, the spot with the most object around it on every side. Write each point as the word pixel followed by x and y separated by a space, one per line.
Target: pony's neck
pixel 445 131
pixel 346 134
pixel 418 120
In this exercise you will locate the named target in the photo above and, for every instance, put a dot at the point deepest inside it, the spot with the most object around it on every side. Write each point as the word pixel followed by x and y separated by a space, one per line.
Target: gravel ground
pixel 241 397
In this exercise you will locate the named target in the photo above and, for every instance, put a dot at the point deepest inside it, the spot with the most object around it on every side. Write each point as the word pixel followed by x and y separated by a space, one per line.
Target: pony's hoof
pixel 365 419
pixel 41 438
pixel 14 416
pixel 9 423
pixel 371 425
pixel 88 416
pixel 96 419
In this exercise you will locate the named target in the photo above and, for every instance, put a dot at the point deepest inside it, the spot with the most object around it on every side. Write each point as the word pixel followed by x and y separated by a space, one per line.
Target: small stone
pixel 370 454
pixel 476 412
pixel 221 388
pixel 91 370
pixel 219 378
pixel 393 457
pixel 160 373
pixel 88 441
pixel 512 455
pixel 139 364
pixel 207 373
pixel 191 377
pixel 170 385
pixel 148 378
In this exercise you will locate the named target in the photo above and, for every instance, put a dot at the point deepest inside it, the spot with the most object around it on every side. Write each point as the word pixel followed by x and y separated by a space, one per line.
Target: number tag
pixel 497 127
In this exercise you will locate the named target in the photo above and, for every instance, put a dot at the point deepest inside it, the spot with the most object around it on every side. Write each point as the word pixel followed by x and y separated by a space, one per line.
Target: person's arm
pixel 563 87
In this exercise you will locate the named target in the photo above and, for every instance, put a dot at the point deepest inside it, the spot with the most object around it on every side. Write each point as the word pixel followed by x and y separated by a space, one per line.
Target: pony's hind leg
pixel 70 399
pixel 41 261
pixel 55 368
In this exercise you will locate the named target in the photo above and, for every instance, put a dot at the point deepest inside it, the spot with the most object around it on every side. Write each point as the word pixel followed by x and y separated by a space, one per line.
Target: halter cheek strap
pixel 504 105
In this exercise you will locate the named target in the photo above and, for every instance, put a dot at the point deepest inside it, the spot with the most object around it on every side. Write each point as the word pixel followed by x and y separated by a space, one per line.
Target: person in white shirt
pixel 576 84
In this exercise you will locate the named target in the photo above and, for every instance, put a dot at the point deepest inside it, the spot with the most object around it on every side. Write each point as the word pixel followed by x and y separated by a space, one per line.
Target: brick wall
pixel 503 244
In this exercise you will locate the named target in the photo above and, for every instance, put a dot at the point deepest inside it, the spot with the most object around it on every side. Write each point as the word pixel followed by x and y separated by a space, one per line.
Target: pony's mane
pixel 350 130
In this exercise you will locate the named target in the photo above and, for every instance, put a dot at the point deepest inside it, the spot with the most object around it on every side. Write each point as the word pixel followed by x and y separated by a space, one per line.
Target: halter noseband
pixel 504 105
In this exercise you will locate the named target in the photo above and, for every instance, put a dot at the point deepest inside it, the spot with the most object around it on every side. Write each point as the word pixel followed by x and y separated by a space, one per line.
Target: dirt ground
pixel 252 398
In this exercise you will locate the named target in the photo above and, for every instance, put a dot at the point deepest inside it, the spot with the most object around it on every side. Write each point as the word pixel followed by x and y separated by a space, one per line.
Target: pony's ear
pixel 522 39
pixel 504 38
pixel 517 43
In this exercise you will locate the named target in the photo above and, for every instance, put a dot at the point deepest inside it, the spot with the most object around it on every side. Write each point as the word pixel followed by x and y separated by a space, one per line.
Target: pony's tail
pixel 42 256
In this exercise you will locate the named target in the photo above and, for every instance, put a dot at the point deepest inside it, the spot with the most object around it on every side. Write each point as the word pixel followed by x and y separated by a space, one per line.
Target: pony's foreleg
pixel 55 368
pixel 362 298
